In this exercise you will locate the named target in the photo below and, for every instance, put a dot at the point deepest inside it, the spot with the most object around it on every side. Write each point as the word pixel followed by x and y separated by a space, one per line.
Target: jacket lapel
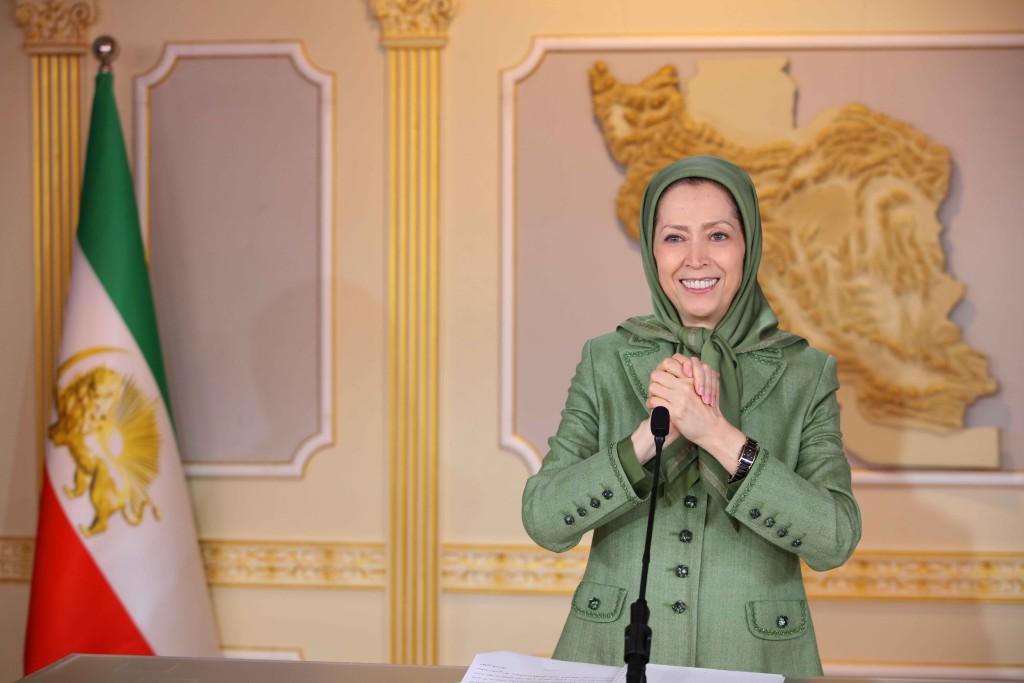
pixel 639 361
pixel 761 372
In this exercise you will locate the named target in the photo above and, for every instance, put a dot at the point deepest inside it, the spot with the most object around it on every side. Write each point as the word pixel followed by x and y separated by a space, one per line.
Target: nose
pixel 697 254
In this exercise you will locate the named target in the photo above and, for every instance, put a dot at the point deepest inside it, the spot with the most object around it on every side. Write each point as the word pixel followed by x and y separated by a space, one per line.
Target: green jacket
pixel 722 594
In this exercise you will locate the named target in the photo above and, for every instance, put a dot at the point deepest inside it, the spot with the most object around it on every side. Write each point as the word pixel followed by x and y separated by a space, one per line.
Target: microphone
pixel 638 633
pixel 659 423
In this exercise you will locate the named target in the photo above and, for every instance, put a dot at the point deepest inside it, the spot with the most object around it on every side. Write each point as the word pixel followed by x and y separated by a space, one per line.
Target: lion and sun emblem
pixel 109 427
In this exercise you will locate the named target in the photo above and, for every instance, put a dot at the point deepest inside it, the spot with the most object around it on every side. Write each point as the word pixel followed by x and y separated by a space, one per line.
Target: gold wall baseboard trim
pixel 526 570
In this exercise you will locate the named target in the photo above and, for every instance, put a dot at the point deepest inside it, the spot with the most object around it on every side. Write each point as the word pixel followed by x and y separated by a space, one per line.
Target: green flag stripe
pixel 109 232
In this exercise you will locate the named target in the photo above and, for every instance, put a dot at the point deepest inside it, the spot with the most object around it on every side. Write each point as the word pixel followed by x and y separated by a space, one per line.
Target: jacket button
pixel 797 543
pixel 682 571
pixel 685 535
pixel 595 503
pixel 594 603
pixel 679 607
pixel 607 493
pixel 569 519
pixel 770 522
pixel 782 621
pixel 690 501
pixel 755 513
pixel 581 511
pixel 783 533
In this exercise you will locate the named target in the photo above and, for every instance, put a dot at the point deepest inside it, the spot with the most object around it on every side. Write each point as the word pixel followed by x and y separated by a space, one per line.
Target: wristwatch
pixel 748 454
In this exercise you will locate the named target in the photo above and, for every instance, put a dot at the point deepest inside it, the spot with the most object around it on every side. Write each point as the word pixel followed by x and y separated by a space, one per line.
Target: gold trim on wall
pixel 16 555
pixel 988 577
pixel 55 37
pixel 413 23
pixel 413 31
pixel 55 26
pixel 294 565
pixel 528 570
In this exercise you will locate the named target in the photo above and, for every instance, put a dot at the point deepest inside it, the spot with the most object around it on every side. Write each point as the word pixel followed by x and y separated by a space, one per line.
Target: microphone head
pixel 659 421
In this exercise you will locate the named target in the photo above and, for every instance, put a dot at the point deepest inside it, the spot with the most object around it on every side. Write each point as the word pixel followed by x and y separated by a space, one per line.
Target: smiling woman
pixel 754 451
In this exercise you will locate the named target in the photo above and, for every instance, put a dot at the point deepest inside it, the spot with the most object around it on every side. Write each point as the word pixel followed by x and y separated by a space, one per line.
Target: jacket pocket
pixel 598 601
pixel 777 619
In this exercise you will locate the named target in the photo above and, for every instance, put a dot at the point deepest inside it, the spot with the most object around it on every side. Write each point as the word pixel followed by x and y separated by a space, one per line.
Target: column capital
pixel 413 23
pixel 55 26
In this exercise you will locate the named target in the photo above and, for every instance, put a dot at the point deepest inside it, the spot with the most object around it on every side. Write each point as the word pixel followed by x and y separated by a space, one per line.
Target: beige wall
pixel 340 503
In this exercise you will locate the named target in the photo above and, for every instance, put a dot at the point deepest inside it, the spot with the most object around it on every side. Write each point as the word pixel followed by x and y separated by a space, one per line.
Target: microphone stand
pixel 638 633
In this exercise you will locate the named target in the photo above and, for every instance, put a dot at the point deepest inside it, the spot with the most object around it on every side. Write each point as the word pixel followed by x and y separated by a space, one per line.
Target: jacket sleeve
pixel 581 483
pixel 810 509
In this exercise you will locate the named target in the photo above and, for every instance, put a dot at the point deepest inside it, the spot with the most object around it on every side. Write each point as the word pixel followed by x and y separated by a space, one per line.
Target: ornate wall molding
pixel 294 565
pixel 528 570
pixel 929 577
pixel 319 400
pixel 413 23
pixel 990 577
pixel 55 26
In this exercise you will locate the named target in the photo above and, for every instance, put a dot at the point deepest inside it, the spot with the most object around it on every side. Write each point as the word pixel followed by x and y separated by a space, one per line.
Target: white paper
pixel 509 667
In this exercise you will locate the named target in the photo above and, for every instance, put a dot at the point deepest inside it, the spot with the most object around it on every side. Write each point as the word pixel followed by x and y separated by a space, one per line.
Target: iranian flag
pixel 117 566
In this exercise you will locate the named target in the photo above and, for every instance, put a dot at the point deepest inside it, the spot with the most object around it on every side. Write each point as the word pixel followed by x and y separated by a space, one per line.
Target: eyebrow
pixel 703 226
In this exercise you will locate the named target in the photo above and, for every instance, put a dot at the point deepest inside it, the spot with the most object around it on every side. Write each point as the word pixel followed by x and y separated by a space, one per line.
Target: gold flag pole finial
pixel 105 49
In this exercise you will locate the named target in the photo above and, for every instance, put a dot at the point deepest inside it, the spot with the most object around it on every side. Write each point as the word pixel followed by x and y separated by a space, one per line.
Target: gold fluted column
pixel 414 33
pixel 56 40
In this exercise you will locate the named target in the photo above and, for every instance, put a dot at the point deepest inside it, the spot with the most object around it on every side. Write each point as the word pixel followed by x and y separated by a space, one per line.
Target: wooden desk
pixel 123 669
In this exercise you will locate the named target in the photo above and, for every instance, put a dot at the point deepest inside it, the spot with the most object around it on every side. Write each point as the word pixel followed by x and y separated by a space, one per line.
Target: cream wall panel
pixel 529 624
pixel 323 625
pixel 919 633
pixel 14 598
pixel 942 518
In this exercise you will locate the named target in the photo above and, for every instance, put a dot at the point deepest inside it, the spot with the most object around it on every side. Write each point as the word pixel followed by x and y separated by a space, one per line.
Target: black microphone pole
pixel 638 633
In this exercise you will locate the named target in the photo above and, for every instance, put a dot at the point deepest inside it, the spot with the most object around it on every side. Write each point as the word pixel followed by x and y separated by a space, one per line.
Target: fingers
pixel 706 380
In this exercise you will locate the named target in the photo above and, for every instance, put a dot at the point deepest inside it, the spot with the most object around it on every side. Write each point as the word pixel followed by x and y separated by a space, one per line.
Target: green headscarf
pixel 749 323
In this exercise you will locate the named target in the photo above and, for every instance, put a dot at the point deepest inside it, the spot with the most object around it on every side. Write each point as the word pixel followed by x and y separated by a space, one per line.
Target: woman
pixel 754 473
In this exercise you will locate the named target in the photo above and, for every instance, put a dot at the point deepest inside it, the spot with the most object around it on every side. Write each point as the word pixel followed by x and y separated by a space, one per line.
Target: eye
pixel 672 237
pixel 719 236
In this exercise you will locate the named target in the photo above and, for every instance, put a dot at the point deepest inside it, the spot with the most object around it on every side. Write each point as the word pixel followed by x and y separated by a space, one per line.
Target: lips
pixel 701 285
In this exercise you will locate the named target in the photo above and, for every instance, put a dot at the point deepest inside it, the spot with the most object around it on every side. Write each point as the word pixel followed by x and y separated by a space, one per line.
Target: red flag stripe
pixel 72 609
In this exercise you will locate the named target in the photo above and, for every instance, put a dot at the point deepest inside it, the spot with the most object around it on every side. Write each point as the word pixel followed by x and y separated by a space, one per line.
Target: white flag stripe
pixel 154 568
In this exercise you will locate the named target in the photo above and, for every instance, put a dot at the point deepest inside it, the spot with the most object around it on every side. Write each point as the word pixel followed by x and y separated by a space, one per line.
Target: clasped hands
pixel 689 389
